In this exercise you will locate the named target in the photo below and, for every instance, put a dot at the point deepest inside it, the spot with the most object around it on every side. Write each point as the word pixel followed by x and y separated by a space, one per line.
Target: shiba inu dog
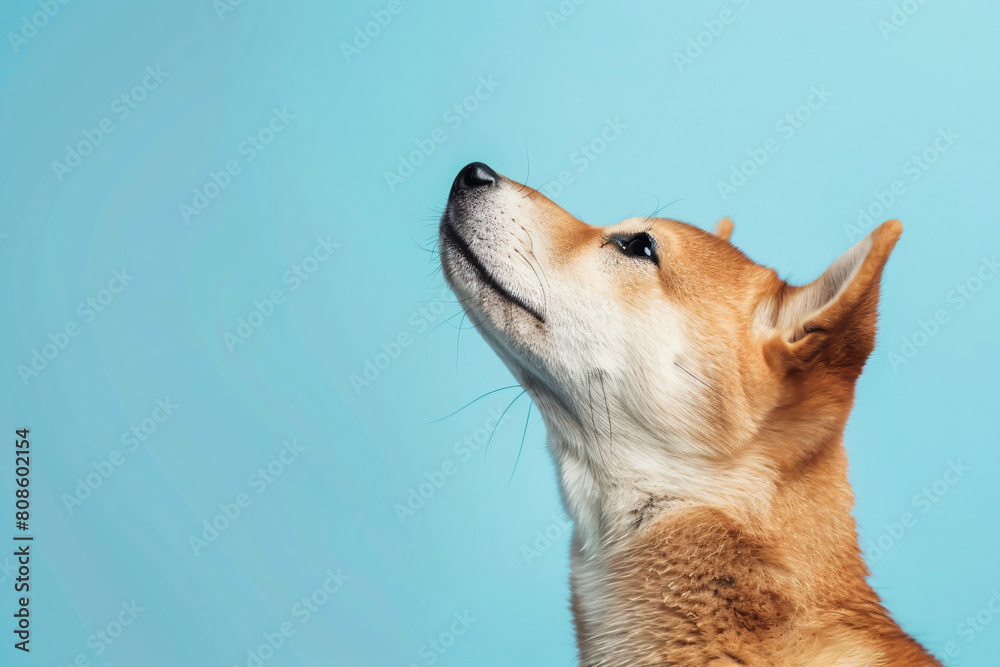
pixel 695 405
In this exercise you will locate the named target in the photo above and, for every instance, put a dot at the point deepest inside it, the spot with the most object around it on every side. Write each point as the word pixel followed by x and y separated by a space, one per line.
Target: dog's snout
pixel 474 176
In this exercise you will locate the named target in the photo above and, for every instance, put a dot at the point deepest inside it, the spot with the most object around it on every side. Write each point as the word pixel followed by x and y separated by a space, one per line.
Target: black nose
pixel 473 176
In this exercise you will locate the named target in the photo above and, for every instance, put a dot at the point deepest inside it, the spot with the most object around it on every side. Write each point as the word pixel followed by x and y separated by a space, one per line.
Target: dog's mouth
pixel 452 238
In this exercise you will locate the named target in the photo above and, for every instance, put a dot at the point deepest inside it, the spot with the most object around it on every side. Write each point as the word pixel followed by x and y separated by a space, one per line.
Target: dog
pixel 695 405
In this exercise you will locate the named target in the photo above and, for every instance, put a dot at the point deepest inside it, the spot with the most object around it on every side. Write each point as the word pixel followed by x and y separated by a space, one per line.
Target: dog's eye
pixel 640 245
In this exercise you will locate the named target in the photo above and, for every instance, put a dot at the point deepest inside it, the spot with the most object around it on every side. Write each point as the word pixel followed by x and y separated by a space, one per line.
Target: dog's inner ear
pixel 834 316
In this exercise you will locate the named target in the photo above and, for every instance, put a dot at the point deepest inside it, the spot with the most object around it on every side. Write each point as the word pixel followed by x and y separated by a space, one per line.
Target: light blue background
pixel 333 507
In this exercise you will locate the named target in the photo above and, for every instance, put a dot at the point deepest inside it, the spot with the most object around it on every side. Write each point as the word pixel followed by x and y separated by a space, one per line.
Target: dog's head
pixel 651 340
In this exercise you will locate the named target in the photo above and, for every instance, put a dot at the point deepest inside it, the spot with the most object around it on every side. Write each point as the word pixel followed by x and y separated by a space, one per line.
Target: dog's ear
pixel 833 318
pixel 724 229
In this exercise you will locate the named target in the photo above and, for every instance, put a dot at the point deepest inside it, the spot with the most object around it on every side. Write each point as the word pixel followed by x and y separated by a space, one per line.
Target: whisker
pixel 476 325
pixel 497 425
pixel 725 399
pixel 590 398
pixel 693 376
pixel 660 208
pixel 513 386
pixel 521 448
pixel 458 339
pixel 607 408
pixel 545 297
pixel 445 321
pixel 527 157
pixel 418 246
pixel 539 188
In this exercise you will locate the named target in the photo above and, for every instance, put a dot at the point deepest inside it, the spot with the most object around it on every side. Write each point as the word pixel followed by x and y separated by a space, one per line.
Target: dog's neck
pixel 701 560
pixel 613 492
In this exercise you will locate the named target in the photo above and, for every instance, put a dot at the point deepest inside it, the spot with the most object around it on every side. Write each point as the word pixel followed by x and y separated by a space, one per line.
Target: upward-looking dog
pixel 695 405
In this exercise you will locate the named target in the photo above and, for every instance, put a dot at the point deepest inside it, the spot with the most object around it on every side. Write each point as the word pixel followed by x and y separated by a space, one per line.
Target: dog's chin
pixel 483 296
pixel 515 333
